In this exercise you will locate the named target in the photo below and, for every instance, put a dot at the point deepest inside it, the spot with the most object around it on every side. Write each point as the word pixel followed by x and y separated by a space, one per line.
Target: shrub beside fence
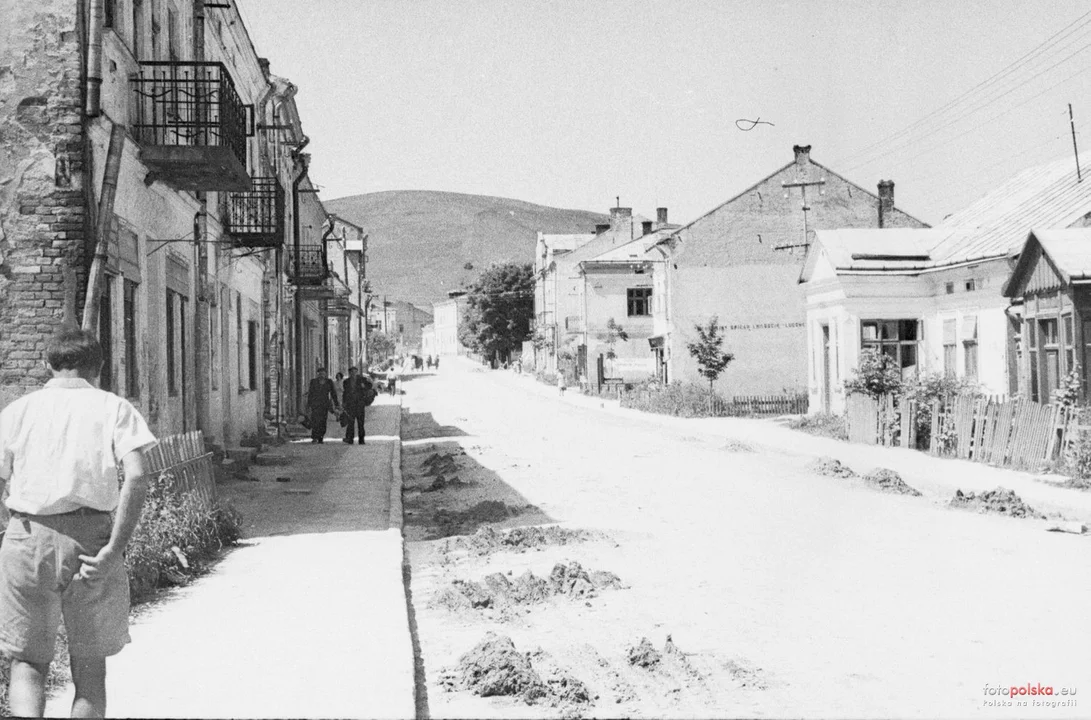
pixel 694 400
pixel 184 458
pixel 1013 433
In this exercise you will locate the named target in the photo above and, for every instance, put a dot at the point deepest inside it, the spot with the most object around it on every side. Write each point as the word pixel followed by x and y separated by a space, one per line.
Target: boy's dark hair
pixel 74 349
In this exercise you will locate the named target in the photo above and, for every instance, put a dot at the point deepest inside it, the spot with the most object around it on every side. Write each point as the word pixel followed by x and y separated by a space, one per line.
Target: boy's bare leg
pixel 89 677
pixel 26 691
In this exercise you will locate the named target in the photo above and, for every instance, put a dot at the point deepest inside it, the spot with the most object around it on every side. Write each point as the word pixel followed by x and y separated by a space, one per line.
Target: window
pixel 1069 344
pixel 172 370
pixel 1049 375
pixel 950 288
pixel 172 35
pixel 971 285
pixel 969 345
pixel 106 334
pixel 138 29
pixel 239 351
pixel 950 347
pixel 132 376
pixel 214 346
pixel 252 353
pixel 639 301
pixel 108 11
pixel 897 339
pixel 1032 357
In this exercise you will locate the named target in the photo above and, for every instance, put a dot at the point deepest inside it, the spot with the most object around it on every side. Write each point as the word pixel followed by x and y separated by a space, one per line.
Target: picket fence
pixel 1011 433
pixel 189 465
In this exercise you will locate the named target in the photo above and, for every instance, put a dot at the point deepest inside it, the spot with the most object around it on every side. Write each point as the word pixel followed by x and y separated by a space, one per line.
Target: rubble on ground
pixel 644 655
pixel 494 667
pixel 999 502
pixel 831 467
pixel 889 481
pixel 497 591
pixel 458 522
pixel 534 537
pixel 736 446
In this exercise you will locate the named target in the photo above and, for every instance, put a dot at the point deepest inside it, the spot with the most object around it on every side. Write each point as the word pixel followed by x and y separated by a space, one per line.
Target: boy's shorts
pixel 38 559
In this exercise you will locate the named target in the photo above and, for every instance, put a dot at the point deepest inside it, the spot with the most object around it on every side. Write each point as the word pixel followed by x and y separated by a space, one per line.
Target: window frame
pixel 895 347
pixel 638 301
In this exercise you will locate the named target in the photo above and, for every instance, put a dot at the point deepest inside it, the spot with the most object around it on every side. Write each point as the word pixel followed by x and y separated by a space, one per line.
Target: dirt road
pixel 783 592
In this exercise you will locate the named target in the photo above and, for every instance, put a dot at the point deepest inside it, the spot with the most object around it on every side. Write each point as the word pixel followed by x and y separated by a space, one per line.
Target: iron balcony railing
pixel 309 265
pixel 190 104
pixel 255 218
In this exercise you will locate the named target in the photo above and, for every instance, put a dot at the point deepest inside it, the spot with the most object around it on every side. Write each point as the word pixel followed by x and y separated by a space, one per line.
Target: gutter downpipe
pixel 298 309
pixel 97 19
pixel 325 272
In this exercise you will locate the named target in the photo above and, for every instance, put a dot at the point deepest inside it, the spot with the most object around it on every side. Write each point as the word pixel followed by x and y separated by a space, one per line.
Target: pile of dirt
pixel 644 655
pixel 736 446
pixel 444 483
pixel 494 667
pixel 458 522
pixel 831 467
pixel 488 540
pixel 889 481
pixel 497 591
pixel 999 502
pixel 439 464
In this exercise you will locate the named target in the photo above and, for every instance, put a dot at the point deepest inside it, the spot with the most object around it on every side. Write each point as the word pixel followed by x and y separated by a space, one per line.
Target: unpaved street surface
pixel 570 561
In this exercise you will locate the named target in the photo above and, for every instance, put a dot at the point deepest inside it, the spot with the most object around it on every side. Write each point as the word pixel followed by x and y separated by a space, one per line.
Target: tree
pixel 498 310
pixel 380 347
pixel 709 354
pixel 614 332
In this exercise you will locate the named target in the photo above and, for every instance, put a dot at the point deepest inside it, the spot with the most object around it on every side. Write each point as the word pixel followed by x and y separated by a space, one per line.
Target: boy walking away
pixel 354 400
pixel 62 555
pixel 321 400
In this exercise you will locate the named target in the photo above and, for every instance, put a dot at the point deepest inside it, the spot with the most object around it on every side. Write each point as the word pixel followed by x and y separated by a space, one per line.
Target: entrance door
pixel 826 368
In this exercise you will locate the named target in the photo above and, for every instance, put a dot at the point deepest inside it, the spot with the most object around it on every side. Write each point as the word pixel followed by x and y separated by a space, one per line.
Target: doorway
pixel 825 368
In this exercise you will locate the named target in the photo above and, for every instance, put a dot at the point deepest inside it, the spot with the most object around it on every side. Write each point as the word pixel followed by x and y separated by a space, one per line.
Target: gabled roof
pixel 1045 196
pixel 635 250
pixel 1067 251
pixel 602 242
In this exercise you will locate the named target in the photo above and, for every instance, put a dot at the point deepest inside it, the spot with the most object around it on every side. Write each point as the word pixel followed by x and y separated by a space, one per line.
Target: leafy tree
pixel 877 375
pixel 709 353
pixel 380 347
pixel 498 310
pixel 614 332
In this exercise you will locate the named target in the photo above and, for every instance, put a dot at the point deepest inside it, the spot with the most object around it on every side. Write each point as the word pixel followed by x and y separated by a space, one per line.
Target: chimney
pixel 647 226
pixel 886 201
pixel 661 216
pixel 803 154
pixel 621 222
pixel 599 229
pixel 620 212
pixel 263 64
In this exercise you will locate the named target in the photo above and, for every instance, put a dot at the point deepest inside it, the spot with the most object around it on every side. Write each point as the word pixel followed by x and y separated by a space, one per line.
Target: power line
pixel 1081 22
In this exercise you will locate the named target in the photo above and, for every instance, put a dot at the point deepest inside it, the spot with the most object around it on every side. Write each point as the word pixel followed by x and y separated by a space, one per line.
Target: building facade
pixel 740 263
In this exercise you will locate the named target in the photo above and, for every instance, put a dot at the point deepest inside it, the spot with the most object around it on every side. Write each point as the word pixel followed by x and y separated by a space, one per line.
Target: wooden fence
pixel 184 457
pixel 1014 433
pixel 763 405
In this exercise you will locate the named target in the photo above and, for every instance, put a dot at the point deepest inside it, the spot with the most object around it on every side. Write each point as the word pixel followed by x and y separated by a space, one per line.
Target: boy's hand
pixel 96 567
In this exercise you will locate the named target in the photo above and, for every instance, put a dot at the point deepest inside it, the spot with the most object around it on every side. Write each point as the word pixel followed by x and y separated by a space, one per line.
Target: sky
pixel 573 103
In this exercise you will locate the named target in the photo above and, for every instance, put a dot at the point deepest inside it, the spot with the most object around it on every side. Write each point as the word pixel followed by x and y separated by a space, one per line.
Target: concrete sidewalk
pixel 309 620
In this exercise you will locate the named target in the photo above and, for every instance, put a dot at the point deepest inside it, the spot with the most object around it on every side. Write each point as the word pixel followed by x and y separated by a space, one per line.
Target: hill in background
pixel 421 241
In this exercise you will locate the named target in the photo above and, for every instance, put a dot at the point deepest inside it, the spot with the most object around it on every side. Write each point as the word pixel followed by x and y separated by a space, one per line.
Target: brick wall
pixel 42 215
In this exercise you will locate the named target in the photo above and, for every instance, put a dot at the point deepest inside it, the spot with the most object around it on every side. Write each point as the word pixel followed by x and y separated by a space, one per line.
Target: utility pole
pixel 802 185
pixel 1072 123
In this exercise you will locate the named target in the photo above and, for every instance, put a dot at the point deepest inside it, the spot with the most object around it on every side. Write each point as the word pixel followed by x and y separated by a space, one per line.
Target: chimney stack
pixel 620 212
pixel 803 154
pixel 621 222
pixel 647 226
pixel 886 201
pixel 661 216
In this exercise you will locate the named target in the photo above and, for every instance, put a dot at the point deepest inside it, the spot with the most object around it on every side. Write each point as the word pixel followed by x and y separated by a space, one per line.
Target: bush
pixel 824 424
pixel 678 399
pixel 877 375
pixel 176 534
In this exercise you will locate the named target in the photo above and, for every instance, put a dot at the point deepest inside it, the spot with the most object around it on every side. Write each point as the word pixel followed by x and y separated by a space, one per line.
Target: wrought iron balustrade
pixel 255 218
pixel 309 266
pixel 191 124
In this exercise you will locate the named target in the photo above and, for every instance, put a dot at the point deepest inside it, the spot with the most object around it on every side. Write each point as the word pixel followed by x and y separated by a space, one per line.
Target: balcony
pixel 255 218
pixel 308 270
pixel 337 307
pixel 191 125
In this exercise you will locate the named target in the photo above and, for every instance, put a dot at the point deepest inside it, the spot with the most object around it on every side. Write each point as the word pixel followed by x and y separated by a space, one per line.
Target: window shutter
pixel 969 328
pixel 949 332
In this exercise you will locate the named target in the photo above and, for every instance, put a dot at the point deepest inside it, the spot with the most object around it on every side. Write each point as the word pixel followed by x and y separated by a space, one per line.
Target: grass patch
pixel 177 539
pixel 823 424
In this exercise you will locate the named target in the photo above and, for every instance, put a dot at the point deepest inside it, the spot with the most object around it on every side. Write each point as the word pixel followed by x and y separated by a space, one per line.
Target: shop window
pixel 639 301
pixel 897 339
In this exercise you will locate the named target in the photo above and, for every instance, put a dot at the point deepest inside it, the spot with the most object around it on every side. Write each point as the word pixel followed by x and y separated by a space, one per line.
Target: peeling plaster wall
pixel 42 216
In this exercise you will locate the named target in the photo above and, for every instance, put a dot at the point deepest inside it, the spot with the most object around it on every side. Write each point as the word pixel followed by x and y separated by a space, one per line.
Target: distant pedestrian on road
pixel 437 362
pixel 561 385
pixel 321 400
pixel 392 380
pixel 354 400
pixel 62 555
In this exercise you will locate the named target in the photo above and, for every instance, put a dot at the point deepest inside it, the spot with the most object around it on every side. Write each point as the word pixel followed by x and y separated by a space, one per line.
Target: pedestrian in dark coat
pixel 354 401
pixel 321 399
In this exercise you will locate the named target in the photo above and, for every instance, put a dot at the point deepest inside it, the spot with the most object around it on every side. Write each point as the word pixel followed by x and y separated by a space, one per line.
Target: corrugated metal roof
pixel 1070 250
pixel 1045 196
